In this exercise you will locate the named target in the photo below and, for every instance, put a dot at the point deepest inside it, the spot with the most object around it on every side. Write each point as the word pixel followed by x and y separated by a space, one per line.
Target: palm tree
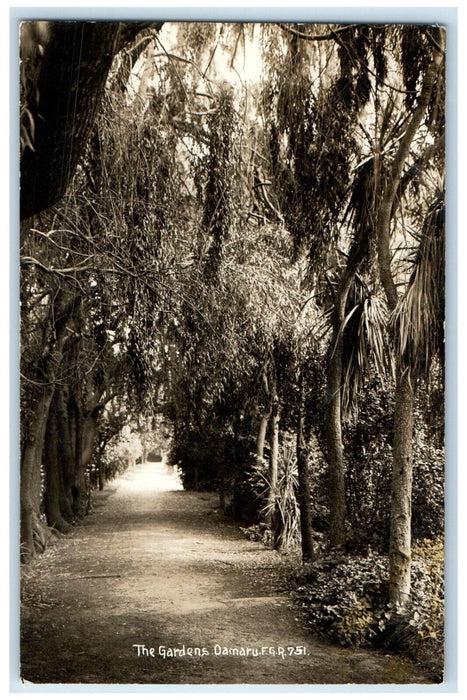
pixel 359 219
pixel 418 332
pixel 405 373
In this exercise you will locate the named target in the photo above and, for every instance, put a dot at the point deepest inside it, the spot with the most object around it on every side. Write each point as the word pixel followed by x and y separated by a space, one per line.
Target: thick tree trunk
pixel 30 466
pixel 67 455
pixel 101 476
pixel 88 436
pixel 34 439
pixel 67 78
pixel 74 429
pixel 401 493
pixel 147 72
pixel 304 503
pixel 52 467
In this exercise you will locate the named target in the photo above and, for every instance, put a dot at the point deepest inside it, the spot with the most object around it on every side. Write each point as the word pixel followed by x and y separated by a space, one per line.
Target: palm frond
pixel 283 511
pixel 365 348
pixel 418 320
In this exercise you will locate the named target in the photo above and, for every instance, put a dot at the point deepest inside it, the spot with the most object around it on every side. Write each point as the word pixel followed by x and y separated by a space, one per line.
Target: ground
pixel 153 567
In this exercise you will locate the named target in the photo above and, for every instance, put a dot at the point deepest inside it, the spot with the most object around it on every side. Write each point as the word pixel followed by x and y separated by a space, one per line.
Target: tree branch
pixel 315 37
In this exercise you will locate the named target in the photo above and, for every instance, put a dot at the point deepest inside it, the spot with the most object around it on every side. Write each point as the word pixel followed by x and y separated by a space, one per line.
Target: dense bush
pixel 250 491
pixel 369 457
pixel 345 600
pixel 368 440
pixel 205 459
pixel 198 460
pixel 428 484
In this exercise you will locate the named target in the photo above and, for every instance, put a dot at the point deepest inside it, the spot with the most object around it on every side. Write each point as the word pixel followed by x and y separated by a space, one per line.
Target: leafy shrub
pixel 368 481
pixel 283 512
pixel 258 533
pixel 198 459
pixel 428 485
pixel 250 491
pixel 345 600
pixel 205 460
pixel 343 595
pixel 368 440
pixel 319 495
pixel 428 602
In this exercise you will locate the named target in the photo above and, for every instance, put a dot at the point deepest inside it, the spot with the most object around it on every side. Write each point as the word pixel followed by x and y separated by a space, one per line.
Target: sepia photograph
pixel 232 353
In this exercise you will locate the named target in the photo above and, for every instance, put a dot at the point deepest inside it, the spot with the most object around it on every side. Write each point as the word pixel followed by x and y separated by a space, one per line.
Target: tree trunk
pixel 261 439
pixel 402 466
pixel 86 434
pixel 304 484
pixel 222 489
pixel 67 79
pixel 74 430
pixel 334 446
pixel 34 440
pixel 101 476
pixel 273 465
pixel 401 493
pixel 147 72
pixel 52 472
pixel 333 413
pixel 67 457
pixel 30 465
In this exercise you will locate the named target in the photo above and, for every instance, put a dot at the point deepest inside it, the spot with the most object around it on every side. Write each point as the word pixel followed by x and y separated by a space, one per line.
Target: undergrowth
pixel 344 599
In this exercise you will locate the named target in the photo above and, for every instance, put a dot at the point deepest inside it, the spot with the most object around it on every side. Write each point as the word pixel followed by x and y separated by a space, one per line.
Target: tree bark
pixel 402 466
pixel 273 464
pixel 52 471
pixel 34 441
pixel 334 446
pixel 333 412
pixel 304 480
pixel 261 439
pixel 66 451
pixel 401 492
pixel 86 439
pixel 88 436
pixel 101 475
pixel 30 464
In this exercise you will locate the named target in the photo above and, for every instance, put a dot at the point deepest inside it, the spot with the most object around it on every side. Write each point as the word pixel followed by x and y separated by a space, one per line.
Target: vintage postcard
pixel 232 391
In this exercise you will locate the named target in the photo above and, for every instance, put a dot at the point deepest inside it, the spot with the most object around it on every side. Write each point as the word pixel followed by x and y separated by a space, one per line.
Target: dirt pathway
pixel 155 568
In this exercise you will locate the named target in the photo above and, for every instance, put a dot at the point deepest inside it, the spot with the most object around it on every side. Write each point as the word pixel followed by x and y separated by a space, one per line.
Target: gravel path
pixel 156 587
